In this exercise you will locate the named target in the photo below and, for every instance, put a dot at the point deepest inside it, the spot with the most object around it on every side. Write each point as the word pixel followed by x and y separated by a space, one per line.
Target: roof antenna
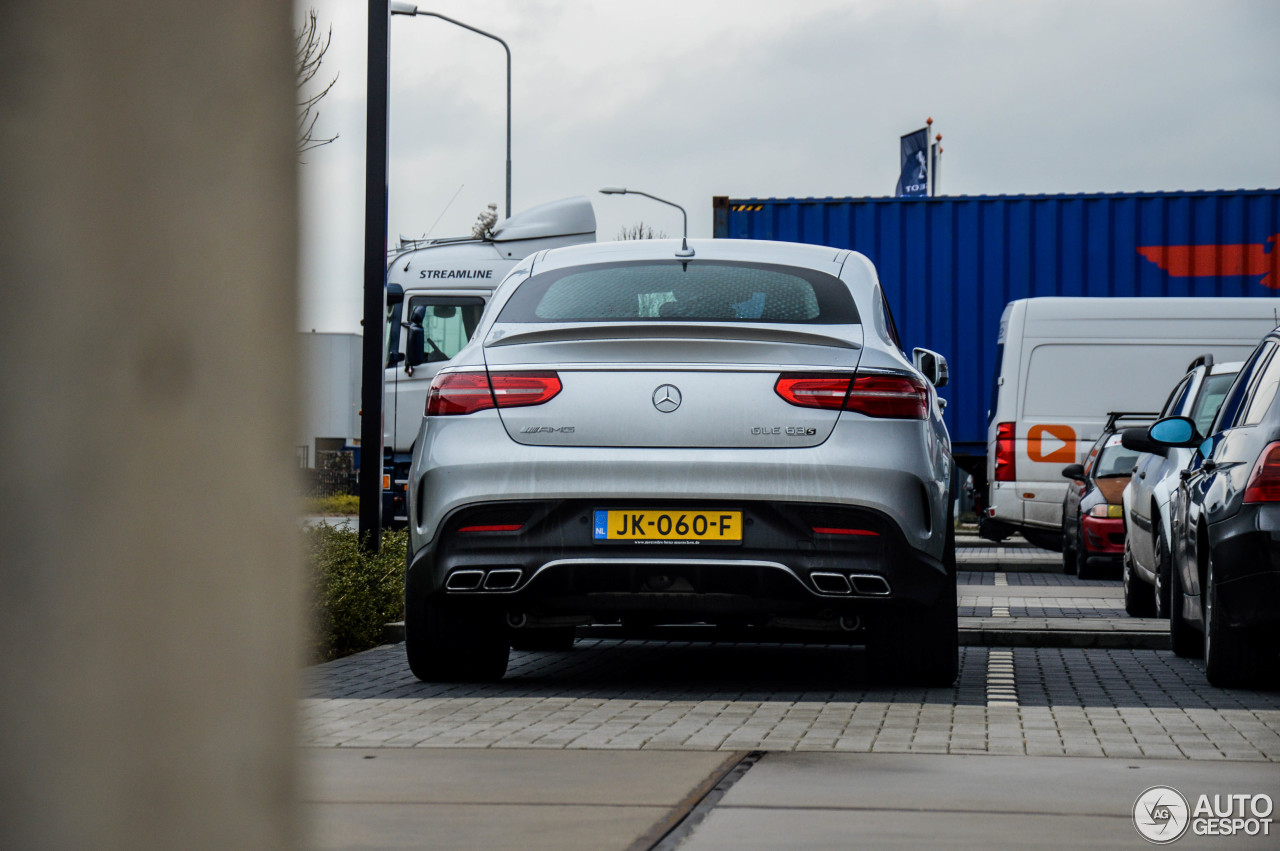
pixel 442 212
pixel 684 250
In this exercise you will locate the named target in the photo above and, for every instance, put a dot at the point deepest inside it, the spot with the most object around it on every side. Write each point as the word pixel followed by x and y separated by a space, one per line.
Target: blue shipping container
pixel 949 265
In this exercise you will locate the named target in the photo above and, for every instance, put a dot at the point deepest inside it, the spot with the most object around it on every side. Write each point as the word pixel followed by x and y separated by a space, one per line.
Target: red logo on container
pixel 1199 261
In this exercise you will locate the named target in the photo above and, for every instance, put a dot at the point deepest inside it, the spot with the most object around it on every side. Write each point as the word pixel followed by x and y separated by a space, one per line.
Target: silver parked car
pixel 643 435
pixel 1146 565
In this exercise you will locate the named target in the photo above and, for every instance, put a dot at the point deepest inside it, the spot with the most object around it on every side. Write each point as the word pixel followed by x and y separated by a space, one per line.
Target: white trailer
pixel 330 394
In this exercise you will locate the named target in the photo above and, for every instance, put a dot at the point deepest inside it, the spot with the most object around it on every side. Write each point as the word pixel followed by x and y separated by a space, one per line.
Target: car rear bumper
pixel 898 469
pixel 782 574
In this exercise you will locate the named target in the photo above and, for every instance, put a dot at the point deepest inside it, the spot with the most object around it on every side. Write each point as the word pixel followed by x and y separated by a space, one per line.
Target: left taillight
pixel 468 392
pixel 1264 481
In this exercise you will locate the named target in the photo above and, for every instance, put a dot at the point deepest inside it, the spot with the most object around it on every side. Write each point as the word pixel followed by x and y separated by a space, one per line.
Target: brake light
pixel 813 391
pixel 832 530
pixel 896 396
pixel 1006 467
pixel 468 392
pixel 1264 481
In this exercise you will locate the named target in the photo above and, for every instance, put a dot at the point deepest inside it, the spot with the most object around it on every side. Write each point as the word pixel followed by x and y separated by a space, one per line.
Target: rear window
pixel 1115 460
pixel 672 290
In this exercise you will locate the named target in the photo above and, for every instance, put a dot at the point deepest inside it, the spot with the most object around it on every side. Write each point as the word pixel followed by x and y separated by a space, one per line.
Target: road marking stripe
pixel 1002 687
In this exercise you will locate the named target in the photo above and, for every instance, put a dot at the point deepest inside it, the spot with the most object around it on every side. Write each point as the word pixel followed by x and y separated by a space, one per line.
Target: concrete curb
pixel 974 632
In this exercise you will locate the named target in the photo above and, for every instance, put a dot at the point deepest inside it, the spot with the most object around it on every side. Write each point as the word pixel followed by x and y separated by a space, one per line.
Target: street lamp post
pixel 411 10
pixel 685 250
pixel 375 278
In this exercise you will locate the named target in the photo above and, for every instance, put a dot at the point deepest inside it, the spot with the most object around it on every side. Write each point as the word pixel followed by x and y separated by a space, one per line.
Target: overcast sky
pixel 688 99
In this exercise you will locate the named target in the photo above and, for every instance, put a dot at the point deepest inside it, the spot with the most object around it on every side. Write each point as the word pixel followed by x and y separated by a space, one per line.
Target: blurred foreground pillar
pixel 149 615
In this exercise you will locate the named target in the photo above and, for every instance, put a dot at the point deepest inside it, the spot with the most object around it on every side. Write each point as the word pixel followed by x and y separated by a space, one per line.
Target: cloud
pixel 693 98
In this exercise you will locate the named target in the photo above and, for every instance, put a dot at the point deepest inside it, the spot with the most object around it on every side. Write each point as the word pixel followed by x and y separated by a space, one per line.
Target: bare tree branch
pixel 309 49
pixel 640 231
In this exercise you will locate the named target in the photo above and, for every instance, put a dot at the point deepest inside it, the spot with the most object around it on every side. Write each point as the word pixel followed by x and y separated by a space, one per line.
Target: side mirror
pixel 395 358
pixel 417 344
pixel 445 311
pixel 395 294
pixel 1074 472
pixel 1175 431
pixel 932 366
pixel 1138 440
pixel 1206 447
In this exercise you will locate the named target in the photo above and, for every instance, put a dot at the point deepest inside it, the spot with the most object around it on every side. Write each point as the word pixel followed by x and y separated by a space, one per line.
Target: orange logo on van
pixel 1052 444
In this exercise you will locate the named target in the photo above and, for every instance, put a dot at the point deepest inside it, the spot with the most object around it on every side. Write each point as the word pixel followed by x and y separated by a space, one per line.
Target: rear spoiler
pixel 666 331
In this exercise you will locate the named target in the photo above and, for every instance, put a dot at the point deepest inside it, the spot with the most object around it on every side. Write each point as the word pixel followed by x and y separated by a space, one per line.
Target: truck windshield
pixel 448 323
pixel 701 291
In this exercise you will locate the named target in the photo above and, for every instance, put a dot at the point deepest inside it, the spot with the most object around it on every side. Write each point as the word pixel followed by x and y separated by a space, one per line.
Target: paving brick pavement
pixel 713 696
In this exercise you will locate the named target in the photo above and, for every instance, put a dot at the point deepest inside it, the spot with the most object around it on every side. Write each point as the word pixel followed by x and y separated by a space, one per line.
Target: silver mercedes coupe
pixel 641 434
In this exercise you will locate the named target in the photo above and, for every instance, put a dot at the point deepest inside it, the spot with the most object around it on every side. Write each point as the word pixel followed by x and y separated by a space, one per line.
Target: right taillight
pixel 1264 481
pixel 881 395
pixel 898 396
pixel 468 392
pixel 1006 468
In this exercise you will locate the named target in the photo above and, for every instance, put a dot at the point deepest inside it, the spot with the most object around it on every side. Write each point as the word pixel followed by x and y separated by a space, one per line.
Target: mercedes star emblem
pixel 666 398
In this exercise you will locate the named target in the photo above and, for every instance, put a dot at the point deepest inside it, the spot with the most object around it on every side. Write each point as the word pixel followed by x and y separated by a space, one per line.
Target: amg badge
pixel 547 430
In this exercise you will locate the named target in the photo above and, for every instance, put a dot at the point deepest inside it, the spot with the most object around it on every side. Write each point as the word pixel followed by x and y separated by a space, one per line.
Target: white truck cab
pixel 437 291
pixel 1063 363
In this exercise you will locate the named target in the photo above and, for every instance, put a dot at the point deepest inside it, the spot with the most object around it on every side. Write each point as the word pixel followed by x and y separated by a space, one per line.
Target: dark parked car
pixel 1092 514
pixel 1225 527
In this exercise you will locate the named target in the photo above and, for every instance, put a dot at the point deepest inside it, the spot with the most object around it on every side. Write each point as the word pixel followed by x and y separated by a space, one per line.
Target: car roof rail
pixel 1114 416
pixel 1205 360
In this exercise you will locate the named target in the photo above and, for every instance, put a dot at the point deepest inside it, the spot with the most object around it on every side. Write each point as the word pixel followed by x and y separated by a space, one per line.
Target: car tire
pixel 1068 552
pixel 1083 570
pixel 918 645
pixel 445 645
pixel 1232 659
pixel 1160 594
pixel 548 639
pixel 1185 641
pixel 1138 601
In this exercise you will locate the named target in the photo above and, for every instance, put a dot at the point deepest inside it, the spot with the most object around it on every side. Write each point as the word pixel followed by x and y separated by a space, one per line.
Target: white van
pixel 1063 363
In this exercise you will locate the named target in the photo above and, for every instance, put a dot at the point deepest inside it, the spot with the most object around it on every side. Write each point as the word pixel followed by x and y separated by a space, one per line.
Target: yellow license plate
pixel 668 525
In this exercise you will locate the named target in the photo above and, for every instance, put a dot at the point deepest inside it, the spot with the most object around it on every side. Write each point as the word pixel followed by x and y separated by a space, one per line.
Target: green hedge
pixel 341 503
pixel 352 594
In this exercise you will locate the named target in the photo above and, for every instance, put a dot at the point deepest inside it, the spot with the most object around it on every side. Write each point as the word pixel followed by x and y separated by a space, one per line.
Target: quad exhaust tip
pixel 501 579
pixel 870 585
pixel 860 584
pixel 464 580
pixel 830 583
